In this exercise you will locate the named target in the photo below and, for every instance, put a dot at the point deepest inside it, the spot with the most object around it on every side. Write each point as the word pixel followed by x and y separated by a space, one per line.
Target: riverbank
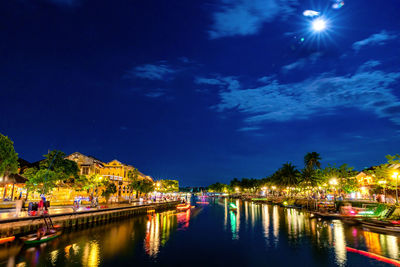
pixel 22 225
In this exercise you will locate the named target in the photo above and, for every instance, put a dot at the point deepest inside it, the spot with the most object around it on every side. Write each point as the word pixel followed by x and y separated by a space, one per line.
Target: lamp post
pixel 396 176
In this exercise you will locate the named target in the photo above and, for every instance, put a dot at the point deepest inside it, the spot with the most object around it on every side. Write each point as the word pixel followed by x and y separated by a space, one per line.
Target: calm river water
pixel 210 235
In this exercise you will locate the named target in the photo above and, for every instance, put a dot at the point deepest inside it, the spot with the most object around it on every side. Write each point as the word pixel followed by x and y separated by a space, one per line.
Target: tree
pixel 310 177
pixel 169 186
pixel 66 170
pixel 42 181
pixel 109 189
pixel 8 157
pixel 289 175
pixel 133 180
pixel 312 160
pixel 53 170
pixel 218 187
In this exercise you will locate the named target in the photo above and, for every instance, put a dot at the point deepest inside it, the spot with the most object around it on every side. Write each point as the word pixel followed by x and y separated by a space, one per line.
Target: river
pixel 210 235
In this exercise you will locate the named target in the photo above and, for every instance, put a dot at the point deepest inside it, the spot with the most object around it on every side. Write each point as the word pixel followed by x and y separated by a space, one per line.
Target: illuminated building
pixel 87 165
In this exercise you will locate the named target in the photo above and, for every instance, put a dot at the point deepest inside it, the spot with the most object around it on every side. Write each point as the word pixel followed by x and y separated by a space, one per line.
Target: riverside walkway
pixel 7 215
pixel 67 217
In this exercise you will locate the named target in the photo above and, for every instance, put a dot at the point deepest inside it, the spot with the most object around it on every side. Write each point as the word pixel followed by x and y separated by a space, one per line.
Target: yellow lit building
pixel 117 172
pixel 87 165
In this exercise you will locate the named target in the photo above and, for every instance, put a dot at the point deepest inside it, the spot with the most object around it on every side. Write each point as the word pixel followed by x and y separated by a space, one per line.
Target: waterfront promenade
pixel 67 217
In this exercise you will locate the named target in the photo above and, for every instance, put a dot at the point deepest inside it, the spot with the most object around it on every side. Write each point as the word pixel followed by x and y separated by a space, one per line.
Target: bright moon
pixel 319 25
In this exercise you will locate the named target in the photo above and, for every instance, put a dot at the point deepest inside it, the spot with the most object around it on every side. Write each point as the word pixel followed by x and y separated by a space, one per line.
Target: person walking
pixel 18 207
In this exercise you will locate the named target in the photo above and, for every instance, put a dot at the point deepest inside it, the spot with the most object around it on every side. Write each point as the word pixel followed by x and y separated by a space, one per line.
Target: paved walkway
pixel 6 214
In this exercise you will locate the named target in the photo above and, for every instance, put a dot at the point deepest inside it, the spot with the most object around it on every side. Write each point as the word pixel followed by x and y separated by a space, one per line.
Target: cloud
pixel 247 129
pixel 156 93
pixel 159 71
pixel 370 64
pixel 311 59
pixel 295 65
pixel 368 90
pixel 265 79
pixel 246 17
pixel 230 82
pixel 374 39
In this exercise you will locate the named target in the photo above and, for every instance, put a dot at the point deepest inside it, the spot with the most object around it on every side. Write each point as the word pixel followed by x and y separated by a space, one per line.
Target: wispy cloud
pixel 160 71
pixel 375 39
pixel 302 62
pixel 230 82
pixel 246 17
pixel 367 90
pixel 295 65
pixel 247 129
pixel 156 93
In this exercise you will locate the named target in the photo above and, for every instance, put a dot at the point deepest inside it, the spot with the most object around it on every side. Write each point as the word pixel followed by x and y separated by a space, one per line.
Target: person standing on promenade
pixel 18 207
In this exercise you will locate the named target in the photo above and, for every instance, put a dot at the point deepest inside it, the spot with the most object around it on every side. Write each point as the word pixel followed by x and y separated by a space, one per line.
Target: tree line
pixel 312 176
pixel 55 170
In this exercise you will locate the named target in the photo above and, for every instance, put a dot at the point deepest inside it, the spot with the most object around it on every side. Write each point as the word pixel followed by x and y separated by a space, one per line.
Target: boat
pixel 7 239
pixel 33 238
pixel 382 229
pixel 233 207
pixel 183 206
pixel 332 216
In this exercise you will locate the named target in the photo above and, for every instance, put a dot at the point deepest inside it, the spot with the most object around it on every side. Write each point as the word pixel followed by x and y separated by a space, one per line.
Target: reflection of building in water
pixel 91 253
pixel 226 213
pixel 392 246
pixel 275 220
pixel 265 222
pixel 235 221
pixel 339 242
pixel 372 242
pixel 159 228
pixel 183 219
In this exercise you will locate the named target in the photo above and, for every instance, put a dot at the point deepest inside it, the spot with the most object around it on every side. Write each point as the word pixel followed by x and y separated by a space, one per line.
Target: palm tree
pixel 289 175
pixel 312 160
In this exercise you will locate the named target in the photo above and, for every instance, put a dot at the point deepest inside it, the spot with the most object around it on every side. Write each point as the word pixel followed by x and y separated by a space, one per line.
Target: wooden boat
pixel 332 216
pixel 183 206
pixel 7 239
pixel 382 229
pixel 33 238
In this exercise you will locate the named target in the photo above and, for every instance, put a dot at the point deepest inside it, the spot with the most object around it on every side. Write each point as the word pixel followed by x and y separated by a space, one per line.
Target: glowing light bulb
pixel 319 25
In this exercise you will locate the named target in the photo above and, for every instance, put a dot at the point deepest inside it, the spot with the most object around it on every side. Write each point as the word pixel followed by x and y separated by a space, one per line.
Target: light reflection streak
pixel 275 219
pixel 339 243
pixel 53 257
pixel 393 246
pixel 159 227
pixel 265 222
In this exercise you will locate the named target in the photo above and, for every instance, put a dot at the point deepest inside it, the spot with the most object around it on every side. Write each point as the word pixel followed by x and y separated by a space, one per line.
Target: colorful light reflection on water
pixel 251 235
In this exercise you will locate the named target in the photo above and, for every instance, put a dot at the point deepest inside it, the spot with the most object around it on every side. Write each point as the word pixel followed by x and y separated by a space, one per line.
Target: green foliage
pixel 52 170
pixel 91 182
pixel 66 169
pixel 286 176
pixel 218 187
pixel 109 189
pixel 168 186
pixel 310 177
pixel 8 157
pixel 312 160
pixel 41 181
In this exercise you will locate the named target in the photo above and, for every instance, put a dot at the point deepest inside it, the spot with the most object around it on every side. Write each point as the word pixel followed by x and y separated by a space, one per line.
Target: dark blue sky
pixel 202 91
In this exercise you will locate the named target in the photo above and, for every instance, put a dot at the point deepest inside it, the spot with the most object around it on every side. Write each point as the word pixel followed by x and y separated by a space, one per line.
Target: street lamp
pixel 396 176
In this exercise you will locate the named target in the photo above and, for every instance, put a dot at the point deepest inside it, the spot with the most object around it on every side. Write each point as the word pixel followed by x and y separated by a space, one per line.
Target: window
pixel 85 170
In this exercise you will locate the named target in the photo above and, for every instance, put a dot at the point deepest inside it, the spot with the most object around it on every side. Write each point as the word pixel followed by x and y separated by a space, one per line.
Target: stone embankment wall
pixel 19 226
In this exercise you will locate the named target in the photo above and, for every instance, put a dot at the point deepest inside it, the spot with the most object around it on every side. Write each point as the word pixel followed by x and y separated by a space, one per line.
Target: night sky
pixel 202 91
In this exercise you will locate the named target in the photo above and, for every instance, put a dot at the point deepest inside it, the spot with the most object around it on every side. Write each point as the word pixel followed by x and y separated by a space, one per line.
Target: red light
pixel 374 256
